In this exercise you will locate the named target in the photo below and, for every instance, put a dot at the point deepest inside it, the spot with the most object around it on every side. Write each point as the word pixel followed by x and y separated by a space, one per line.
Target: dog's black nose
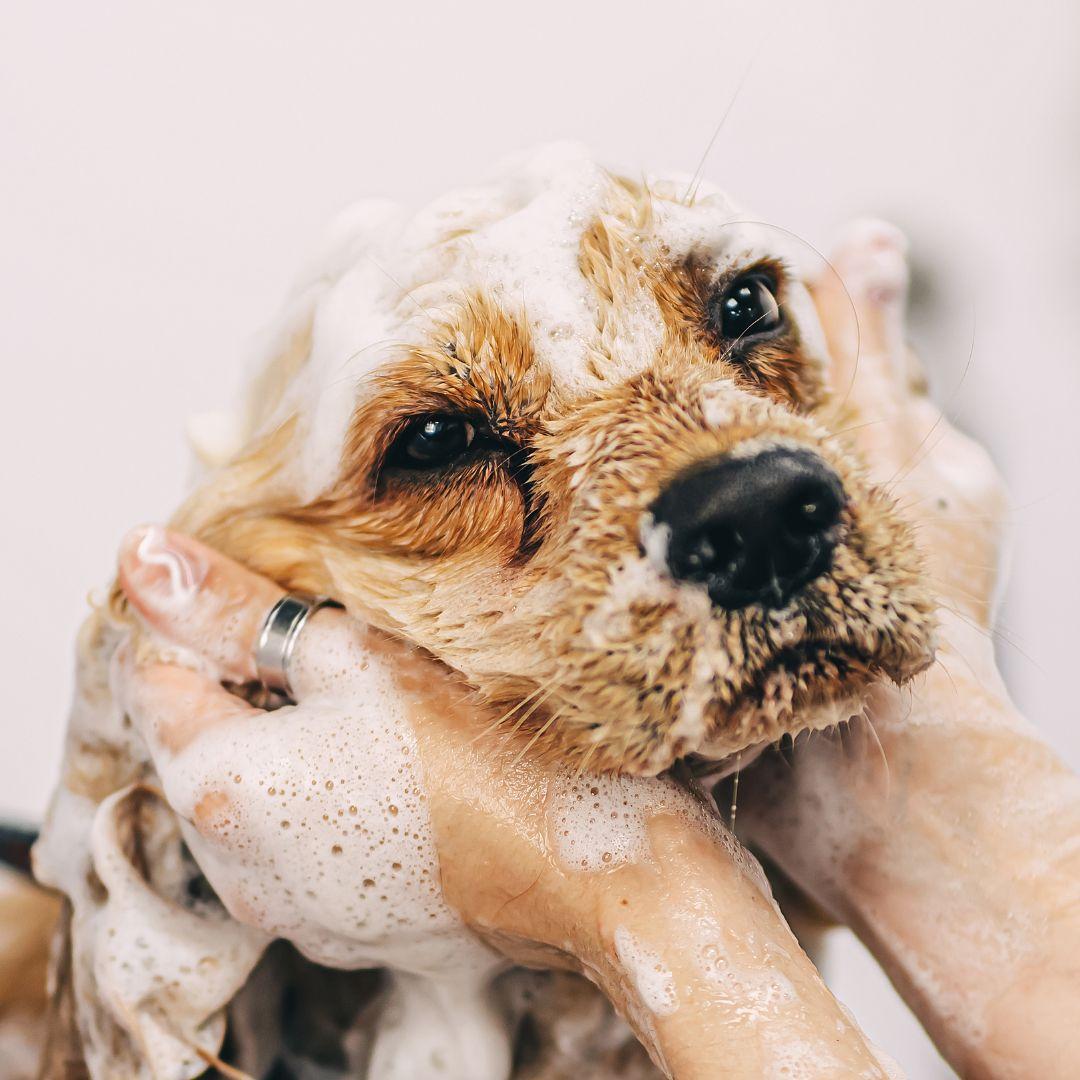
pixel 755 530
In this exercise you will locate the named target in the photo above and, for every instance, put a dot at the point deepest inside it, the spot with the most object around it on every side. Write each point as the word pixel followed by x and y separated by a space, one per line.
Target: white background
pixel 164 168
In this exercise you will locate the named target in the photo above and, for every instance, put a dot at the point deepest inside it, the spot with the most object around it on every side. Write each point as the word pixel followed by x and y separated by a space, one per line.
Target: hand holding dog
pixel 661 907
pixel 951 825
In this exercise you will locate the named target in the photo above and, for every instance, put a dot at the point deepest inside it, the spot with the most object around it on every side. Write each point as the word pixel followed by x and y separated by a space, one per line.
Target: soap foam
pixel 597 823
pixel 654 981
pixel 384 282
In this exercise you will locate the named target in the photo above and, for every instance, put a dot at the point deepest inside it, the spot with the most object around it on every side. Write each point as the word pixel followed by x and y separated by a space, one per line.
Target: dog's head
pixel 564 433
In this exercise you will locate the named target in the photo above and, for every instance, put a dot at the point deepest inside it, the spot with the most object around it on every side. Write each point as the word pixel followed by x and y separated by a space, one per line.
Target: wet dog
pixel 572 435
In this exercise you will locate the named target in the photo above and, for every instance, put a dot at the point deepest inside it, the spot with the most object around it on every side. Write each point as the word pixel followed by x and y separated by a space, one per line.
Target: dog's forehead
pixel 387 280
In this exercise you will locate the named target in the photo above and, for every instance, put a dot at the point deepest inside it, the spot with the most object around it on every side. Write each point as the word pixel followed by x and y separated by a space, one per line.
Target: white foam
pixel 598 823
pixel 383 281
pixel 654 981
pixel 655 542
pixel 312 824
pixel 602 822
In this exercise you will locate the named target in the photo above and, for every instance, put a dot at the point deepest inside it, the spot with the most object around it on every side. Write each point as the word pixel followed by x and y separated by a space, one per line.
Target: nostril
pixel 812 510
pixel 706 553
pixel 700 557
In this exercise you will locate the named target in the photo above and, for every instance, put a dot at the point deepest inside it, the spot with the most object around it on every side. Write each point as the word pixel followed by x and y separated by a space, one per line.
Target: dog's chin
pixel 808 687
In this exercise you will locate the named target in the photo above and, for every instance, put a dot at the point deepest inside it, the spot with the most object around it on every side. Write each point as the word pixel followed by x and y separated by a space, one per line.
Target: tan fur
pixel 510 576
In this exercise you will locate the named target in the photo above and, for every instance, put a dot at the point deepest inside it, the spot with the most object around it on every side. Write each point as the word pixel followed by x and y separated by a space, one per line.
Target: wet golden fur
pixel 523 567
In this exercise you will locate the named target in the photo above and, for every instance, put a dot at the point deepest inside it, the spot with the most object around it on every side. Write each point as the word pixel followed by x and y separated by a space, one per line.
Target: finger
pixel 172 706
pixel 197 598
pixel 742 985
pixel 870 274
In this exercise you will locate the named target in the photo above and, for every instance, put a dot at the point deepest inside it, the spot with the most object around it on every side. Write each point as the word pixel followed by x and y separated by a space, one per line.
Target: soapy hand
pixel 373 823
pixel 942 829
pixel 950 847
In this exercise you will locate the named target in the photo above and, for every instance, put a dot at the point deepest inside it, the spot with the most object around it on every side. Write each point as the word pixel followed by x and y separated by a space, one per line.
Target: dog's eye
pixel 747 308
pixel 429 442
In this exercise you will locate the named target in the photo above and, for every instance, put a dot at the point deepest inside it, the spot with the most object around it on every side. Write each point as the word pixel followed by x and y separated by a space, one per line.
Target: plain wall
pixel 164 168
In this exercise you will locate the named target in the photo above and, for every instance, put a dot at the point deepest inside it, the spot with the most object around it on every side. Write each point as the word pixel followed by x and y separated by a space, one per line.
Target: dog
pixel 571 435
pixel 560 432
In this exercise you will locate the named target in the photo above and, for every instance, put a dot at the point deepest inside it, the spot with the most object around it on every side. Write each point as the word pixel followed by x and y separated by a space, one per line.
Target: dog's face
pixel 560 432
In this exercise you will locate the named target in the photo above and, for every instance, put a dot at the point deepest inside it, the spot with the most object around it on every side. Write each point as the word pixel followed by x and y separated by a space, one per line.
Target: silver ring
pixel 278 636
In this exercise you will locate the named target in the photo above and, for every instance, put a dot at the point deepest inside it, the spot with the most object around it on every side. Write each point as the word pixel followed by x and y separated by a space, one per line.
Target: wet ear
pixel 165 961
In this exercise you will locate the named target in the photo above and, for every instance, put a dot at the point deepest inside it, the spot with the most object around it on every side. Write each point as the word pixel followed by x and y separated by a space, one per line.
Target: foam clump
pixel 653 979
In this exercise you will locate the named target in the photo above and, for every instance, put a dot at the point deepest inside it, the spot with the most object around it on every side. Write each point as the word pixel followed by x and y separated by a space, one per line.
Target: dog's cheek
pixel 483 518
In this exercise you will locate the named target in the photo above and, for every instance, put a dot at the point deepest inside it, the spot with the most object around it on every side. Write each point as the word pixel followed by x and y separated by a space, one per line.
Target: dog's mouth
pixel 810 686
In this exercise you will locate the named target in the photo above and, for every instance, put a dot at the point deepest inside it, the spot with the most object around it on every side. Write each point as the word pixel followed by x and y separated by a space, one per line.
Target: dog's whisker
pixel 856 427
pixel 943 414
pixel 406 293
pixel 995 633
pixel 505 716
pixel 540 732
pixel 525 716
pixel 865 715
pixel 735 344
pixel 973 520
pixel 948 674
pixel 583 763
pixel 691 189
pixel 381 344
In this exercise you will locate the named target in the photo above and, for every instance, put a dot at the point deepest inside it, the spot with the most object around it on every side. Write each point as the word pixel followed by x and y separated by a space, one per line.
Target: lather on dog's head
pixel 559 431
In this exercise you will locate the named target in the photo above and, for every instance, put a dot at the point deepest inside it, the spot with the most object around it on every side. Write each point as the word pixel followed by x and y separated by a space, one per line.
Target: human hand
pixel 378 822
pixel 943 830
pixel 943 480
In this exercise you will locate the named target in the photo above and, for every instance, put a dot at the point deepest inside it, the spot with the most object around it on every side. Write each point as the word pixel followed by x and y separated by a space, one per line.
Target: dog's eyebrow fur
pixel 479 362
pixel 616 258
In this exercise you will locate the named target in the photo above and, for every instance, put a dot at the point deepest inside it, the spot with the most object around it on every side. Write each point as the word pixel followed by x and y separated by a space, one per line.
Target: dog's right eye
pixel 747 309
pixel 431 442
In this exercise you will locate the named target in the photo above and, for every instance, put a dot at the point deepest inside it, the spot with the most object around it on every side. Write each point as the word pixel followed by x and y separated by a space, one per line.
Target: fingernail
pixel 164 569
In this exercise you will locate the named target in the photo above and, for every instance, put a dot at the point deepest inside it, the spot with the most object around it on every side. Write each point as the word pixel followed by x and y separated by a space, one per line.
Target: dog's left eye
pixel 429 442
pixel 747 308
